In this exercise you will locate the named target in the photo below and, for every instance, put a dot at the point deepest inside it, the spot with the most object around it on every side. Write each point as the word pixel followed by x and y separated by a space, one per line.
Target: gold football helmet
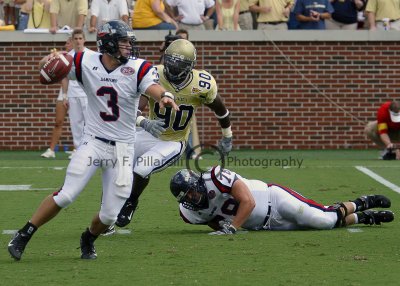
pixel 179 60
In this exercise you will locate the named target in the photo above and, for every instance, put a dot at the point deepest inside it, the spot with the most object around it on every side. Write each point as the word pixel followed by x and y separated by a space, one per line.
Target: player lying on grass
pixel 225 201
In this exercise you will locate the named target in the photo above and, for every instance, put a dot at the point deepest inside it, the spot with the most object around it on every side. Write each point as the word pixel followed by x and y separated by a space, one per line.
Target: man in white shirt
pixel 191 13
pixel 103 11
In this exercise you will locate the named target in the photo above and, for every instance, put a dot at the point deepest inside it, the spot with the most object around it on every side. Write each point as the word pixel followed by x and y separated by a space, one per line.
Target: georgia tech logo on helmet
pixel 179 56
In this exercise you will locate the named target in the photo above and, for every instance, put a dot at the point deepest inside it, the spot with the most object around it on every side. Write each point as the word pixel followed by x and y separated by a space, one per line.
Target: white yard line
pixel 354 230
pixel 33 167
pixel 378 178
pixel 13 188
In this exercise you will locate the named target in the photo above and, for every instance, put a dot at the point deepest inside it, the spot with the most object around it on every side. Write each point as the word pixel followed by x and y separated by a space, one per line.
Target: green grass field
pixel 162 250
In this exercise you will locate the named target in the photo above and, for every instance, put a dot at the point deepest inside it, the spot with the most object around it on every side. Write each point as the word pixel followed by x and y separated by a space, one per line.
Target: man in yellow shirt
pixel 151 15
pixel 272 14
pixel 383 14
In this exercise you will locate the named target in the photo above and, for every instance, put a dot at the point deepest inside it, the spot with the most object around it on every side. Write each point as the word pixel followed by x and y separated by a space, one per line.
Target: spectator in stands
pixel 61 111
pixel 103 11
pixel 9 12
pixel 386 129
pixel 380 10
pixel 23 16
pixel 227 15
pixel 191 13
pixel 293 24
pixel 245 18
pixel 69 13
pixel 312 14
pixel 39 14
pixel 272 15
pixel 345 16
pixel 152 15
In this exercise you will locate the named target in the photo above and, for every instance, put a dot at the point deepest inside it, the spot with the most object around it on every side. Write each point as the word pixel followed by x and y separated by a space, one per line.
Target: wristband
pixel 139 119
pixel 206 17
pixel 227 132
pixel 65 97
pixel 168 94
pixel 223 116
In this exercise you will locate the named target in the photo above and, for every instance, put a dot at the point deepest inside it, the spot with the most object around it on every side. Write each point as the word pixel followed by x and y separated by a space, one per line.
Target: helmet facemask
pixel 190 190
pixel 177 70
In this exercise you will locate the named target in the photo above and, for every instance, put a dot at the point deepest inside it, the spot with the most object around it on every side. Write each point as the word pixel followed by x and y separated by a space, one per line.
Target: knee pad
pixel 62 199
pixel 107 218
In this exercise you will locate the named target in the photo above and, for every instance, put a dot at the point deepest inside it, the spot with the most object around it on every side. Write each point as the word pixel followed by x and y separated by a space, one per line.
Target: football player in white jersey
pixel 225 201
pixel 165 132
pixel 75 96
pixel 113 81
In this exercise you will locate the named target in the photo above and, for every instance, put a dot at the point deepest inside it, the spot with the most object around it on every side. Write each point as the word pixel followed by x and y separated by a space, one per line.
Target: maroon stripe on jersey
pixel 78 66
pixel 222 188
pixel 143 70
pixel 184 218
pixel 309 202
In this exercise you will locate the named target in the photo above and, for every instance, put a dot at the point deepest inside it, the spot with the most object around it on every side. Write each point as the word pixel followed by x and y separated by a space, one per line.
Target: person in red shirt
pixel 386 129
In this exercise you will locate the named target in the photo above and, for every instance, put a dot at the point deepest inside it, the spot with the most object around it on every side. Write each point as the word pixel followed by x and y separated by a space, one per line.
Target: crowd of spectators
pixel 223 15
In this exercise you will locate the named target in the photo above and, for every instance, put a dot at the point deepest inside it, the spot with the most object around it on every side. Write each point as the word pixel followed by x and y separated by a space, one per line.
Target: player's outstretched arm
pixel 163 97
pixel 222 114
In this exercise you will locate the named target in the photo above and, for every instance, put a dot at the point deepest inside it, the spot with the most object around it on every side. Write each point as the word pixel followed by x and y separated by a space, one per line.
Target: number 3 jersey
pixel 113 96
pixel 200 89
pixel 222 205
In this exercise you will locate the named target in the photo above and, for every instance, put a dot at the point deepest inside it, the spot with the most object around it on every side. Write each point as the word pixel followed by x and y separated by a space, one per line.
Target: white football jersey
pixel 222 204
pixel 113 96
pixel 74 89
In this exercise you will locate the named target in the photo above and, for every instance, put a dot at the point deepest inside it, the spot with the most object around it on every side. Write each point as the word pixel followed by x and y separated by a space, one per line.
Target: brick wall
pixel 292 95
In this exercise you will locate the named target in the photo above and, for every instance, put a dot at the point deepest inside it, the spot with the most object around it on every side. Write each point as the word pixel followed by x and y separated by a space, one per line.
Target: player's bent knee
pixel 143 171
pixel 107 218
pixel 63 200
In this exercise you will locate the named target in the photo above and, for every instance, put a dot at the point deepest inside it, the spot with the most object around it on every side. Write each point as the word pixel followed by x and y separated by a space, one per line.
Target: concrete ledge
pixel 219 36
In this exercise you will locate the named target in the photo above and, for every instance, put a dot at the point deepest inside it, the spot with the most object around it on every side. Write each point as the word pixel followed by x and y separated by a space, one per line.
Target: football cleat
pixel 109 231
pixel 49 154
pixel 376 217
pixel 125 215
pixel 17 245
pixel 88 251
pixel 375 201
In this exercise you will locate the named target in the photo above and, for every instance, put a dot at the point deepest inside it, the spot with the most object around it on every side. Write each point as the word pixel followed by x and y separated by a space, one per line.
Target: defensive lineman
pixel 226 201
pixel 113 82
pixel 166 132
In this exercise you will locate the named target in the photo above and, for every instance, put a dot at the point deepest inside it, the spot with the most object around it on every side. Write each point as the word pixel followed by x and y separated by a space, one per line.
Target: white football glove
pixel 225 145
pixel 226 228
pixel 154 127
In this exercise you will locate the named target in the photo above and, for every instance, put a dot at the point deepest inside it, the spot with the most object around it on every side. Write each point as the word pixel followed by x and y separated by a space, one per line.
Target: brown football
pixel 56 69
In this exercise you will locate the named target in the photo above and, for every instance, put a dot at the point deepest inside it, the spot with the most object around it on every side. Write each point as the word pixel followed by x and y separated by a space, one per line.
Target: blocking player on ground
pixel 113 80
pixel 165 132
pixel 225 201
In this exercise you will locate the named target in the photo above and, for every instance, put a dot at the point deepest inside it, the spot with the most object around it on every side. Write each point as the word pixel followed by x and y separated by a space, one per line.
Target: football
pixel 56 69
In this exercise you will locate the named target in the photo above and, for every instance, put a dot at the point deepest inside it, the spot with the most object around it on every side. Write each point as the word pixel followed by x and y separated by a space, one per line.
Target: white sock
pixel 355 218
